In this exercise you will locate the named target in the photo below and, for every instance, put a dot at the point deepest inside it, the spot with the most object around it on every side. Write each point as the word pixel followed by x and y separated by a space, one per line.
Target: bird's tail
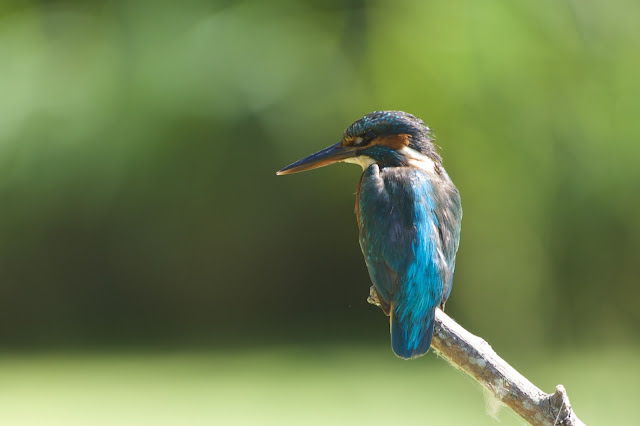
pixel 411 337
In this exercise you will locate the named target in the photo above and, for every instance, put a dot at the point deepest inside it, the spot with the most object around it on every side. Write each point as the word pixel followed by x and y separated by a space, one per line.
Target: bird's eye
pixel 365 139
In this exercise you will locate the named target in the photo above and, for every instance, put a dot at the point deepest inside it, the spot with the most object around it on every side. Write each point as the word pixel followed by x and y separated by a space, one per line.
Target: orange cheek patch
pixel 393 141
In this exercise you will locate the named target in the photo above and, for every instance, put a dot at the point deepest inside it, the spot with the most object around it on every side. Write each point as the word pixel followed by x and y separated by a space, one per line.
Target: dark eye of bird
pixel 367 137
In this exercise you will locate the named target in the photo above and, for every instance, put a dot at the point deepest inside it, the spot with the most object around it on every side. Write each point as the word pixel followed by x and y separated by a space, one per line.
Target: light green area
pixel 291 385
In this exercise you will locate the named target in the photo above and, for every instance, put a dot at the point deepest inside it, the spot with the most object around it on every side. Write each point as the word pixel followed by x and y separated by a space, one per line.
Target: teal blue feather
pixel 399 237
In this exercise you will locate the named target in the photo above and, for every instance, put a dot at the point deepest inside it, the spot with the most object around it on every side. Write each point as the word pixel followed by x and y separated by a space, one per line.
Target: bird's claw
pixel 373 297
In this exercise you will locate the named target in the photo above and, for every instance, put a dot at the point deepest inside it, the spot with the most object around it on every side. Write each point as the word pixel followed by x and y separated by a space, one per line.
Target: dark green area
pixel 139 142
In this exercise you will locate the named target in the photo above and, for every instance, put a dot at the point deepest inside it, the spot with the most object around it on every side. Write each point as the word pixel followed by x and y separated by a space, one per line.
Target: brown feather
pixel 393 141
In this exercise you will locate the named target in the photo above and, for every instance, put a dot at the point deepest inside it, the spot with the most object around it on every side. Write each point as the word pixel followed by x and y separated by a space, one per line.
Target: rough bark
pixel 475 357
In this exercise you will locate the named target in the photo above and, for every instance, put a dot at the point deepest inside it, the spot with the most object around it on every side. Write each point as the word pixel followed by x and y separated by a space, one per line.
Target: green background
pixel 154 270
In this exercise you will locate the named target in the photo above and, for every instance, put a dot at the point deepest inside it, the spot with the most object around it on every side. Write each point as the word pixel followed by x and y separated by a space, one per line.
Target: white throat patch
pixel 418 160
pixel 415 158
pixel 362 160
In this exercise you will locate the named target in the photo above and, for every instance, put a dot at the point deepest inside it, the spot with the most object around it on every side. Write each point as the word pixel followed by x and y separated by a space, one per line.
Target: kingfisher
pixel 408 212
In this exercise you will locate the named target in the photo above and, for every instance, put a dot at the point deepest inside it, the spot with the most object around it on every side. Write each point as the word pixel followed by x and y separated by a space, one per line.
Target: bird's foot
pixel 373 297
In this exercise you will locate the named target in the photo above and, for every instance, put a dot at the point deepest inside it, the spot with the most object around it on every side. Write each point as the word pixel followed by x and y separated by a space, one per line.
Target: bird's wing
pixel 400 232
pixel 402 244
pixel 386 234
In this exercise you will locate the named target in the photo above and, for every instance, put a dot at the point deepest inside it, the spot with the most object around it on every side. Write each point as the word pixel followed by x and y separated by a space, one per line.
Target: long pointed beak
pixel 327 156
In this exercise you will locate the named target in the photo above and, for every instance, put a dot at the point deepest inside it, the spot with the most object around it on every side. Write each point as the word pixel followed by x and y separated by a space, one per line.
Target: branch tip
pixel 474 356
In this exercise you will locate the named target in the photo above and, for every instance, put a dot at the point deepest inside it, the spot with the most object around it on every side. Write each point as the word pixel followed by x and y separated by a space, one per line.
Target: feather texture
pixel 409 229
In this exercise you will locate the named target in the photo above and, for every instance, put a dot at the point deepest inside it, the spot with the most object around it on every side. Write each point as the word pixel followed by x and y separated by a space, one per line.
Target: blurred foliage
pixel 139 142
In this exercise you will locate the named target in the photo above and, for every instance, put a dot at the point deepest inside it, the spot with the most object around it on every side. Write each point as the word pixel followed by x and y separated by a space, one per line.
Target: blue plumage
pixel 399 237
pixel 409 217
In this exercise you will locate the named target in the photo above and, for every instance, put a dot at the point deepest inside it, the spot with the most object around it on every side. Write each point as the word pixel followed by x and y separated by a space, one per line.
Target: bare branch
pixel 475 357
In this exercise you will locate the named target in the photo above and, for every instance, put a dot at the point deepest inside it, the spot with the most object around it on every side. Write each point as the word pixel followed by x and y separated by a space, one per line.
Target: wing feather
pixel 407 245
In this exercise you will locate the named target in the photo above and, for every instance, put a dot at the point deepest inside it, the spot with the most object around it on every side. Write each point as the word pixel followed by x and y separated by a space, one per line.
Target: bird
pixel 409 215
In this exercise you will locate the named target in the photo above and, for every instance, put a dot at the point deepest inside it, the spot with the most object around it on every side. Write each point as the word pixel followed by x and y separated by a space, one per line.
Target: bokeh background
pixel 155 271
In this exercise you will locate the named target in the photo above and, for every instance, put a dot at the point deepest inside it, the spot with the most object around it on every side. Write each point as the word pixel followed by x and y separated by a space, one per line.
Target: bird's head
pixel 388 138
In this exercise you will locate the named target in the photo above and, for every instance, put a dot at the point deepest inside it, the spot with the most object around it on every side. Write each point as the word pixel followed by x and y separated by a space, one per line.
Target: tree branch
pixel 475 357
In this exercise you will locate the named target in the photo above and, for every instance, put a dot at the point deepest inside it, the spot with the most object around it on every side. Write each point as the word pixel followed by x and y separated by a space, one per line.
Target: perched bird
pixel 408 213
